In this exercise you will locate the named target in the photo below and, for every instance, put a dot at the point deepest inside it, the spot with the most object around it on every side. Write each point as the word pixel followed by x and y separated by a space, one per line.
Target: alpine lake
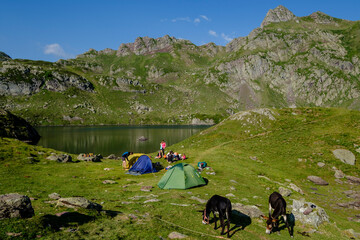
pixel 106 140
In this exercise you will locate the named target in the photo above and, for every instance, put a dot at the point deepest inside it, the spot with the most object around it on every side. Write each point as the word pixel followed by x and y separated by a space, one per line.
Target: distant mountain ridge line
pixel 278 14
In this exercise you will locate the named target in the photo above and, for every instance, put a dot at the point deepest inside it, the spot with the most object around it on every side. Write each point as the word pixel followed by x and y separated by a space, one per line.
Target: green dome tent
pixel 181 176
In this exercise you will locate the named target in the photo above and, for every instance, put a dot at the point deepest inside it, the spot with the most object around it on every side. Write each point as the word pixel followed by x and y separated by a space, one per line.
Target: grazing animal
pixel 276 202
pixel 220 205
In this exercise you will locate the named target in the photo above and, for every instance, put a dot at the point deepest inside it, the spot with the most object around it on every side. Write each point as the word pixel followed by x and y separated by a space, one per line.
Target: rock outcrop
pixel 62 158
pixel 4 56
pixel 309 213
pixel 12 126
pixel 14 205
pixel 146 45
pixel 22 79
pixel 317 180
pixel 78 202
pixel 345 156
pixel 278 14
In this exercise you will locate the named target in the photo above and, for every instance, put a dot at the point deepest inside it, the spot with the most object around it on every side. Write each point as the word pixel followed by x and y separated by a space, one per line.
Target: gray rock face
pixel 284 191
pixel 296 188
pixel 75 202
pixel 55 196
pixel 317 180
pixel 323 18
pixel 339 174
pixel 63 158
pixel 20 79
pixel 278 14
pixel 309 213
pixel 88 158
pixel 14 205
pixel 196 121
pixel 353 179
pixel 350 205
pixel 296 80
pixel 345 156
pixel 146 45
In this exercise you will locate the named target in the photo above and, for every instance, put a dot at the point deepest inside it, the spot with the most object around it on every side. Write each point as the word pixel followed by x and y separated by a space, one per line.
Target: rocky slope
pixel 12 126
pixel 287 61
pixel 4 56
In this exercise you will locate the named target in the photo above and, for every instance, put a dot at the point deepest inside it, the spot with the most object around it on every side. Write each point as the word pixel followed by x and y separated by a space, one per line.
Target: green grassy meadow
pixel 230 147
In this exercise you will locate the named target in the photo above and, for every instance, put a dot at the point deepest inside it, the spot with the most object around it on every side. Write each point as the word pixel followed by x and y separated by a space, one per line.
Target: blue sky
pixel 50 30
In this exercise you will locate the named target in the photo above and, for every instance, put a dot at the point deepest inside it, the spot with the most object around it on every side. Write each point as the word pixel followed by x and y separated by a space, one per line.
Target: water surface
pixel 106 140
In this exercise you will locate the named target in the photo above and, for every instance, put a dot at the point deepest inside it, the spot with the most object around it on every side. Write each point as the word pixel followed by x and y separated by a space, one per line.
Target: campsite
pixel 186 119
pixel 252 154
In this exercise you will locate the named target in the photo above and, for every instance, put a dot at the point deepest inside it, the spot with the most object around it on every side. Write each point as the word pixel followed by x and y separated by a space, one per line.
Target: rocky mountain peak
pixel 147 45
pixel 320 17
pixel 278 14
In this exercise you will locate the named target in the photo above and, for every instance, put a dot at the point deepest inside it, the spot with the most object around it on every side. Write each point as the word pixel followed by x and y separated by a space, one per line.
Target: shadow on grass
pixel 240 220
pixel 291 220
pixel 65 220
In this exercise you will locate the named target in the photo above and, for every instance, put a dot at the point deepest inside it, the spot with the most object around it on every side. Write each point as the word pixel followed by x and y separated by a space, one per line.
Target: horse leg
pixel 222 223
pixel 228 223
pixel 287 224
pixel 270 210
pixel 214 218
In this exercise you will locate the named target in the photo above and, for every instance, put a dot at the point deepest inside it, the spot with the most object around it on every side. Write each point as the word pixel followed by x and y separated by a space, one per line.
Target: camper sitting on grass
pixel 125 157
pixel 170 157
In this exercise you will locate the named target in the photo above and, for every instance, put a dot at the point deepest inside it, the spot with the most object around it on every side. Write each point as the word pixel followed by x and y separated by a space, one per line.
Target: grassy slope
pixel 309 134
pixel 179 93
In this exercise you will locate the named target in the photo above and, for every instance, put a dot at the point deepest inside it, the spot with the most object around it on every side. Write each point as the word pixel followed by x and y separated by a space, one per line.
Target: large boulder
pixel 12 126
pixel 78 202
pixel 14 205
pixel 60 158
pixel 353 179
pixel 308 213
pixel 90 158
pixel 345 156
pixel 317 180
pixel 285 191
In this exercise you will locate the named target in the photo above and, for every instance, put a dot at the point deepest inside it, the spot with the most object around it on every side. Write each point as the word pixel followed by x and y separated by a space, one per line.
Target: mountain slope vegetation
pixel 252 153
pixel 289 61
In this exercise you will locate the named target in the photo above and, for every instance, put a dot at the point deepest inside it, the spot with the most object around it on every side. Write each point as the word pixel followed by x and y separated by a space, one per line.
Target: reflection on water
pixel 106 140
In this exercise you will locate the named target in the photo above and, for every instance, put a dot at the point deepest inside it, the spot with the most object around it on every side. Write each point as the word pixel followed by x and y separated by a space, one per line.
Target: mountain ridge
pixel 289 61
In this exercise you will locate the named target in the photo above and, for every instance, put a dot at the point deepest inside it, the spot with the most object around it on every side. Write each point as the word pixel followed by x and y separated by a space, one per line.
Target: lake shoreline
pixel 113 139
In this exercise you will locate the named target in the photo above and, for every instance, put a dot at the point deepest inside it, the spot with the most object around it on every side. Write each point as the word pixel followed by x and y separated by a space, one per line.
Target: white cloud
pixel 226 37
pixel 55 49
pixel 213 33
pixel 196 20
pixel 205 17
pixel 183 19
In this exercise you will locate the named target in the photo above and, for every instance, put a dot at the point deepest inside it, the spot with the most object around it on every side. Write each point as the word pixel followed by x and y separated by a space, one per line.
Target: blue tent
pixel 143 165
